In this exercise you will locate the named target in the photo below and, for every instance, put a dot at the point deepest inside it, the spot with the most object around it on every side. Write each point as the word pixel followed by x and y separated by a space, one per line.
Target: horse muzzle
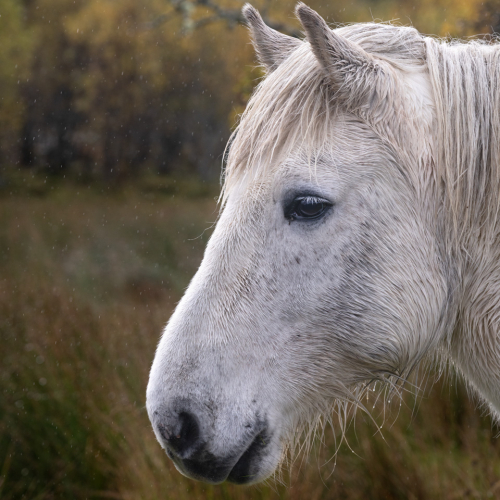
pixel 187 442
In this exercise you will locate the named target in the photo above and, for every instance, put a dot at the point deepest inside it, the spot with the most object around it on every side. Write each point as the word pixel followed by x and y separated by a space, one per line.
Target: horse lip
pixel 195 470
pixel 204 467
pixel 215 471
pixel 242 473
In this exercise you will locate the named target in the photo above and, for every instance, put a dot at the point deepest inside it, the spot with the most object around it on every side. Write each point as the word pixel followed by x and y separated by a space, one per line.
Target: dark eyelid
pixel 292 197
pixel 291 209
pixel 310 198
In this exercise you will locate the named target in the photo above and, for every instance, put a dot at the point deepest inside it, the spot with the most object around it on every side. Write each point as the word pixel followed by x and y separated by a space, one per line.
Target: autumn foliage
pixel 104 89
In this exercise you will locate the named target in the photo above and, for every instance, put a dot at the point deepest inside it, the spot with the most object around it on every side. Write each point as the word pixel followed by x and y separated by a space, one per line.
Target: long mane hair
pixel 465 79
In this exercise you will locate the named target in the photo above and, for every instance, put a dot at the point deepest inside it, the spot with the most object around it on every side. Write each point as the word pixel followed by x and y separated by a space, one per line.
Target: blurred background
pixel 113 119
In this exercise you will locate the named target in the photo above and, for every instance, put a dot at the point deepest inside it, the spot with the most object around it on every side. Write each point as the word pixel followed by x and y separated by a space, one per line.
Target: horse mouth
pixel 204 466
pixel 246 469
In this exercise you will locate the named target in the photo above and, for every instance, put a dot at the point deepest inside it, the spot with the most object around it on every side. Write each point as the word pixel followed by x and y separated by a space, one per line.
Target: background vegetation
pixel 113 118
pixel 103 89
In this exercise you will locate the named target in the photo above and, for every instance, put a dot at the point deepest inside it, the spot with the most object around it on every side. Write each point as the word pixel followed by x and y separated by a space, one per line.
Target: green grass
pixel 88 277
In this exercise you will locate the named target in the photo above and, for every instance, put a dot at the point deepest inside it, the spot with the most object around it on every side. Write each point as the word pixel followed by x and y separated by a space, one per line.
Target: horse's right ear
pixel 272 47
pixel 353 72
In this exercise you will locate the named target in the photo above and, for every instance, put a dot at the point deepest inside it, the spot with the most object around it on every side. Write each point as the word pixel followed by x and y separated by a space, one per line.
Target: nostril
pixel 189 432
pixel 180 433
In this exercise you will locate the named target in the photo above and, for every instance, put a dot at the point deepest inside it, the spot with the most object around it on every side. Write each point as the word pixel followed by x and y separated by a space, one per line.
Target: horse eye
pixel 307 207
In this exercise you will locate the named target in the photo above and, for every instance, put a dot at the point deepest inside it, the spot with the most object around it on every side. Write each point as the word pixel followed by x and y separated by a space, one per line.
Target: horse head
pixel 327 269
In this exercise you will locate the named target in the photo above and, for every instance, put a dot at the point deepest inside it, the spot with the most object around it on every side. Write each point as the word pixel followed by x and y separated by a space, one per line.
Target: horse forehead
pixel 351 148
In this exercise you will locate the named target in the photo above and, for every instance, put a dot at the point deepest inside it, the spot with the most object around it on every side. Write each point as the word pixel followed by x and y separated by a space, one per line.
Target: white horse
pixel 359 236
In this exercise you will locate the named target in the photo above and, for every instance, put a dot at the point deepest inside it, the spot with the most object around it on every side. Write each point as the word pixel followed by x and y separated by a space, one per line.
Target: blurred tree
pixel 50 118
pixel 148 96
pixel 15 58
pixel 115 85
pixel 488 17
pixel 198 13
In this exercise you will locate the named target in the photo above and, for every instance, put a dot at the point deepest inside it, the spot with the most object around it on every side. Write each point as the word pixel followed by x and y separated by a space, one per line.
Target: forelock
pixel 293 107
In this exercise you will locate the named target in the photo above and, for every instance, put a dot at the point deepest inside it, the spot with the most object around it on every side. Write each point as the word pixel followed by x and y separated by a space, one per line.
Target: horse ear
pixel 272 47
pixel 347 66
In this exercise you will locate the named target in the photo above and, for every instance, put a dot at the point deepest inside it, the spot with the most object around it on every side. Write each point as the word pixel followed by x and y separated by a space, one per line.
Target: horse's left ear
pixel 272 47
pixel 350 69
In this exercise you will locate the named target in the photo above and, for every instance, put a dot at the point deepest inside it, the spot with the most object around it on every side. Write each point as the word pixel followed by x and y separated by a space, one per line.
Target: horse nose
pixel 180 433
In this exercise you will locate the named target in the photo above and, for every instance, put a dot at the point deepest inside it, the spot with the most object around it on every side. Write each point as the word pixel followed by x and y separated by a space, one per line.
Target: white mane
pixel 465 79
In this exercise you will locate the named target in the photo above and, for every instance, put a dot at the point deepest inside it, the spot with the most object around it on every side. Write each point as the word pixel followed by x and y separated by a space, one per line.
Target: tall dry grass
pixel 88 278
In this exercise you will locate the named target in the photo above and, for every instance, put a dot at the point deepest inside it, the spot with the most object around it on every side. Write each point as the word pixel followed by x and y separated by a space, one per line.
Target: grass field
pixel 88 278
